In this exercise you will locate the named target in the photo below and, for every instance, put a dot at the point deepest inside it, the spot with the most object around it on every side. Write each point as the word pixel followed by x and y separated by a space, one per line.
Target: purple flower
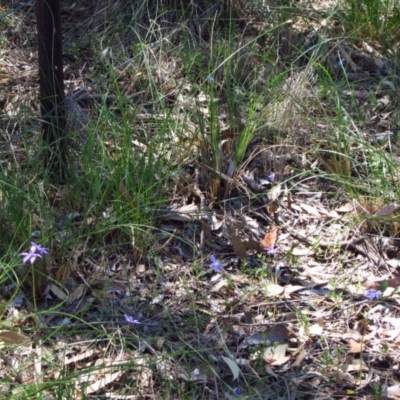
pixel 130 319
pixel 271 176
pixel 210 79
pixel 373 294
pixel 237 392
pixel 215 264
pixel 35 251
pixel 271 250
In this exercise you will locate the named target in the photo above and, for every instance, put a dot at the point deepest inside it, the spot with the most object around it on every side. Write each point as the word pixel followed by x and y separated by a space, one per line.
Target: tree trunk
pixel 52 105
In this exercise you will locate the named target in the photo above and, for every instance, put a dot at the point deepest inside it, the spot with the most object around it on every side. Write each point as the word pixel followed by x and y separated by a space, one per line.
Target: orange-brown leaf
pixel 270 238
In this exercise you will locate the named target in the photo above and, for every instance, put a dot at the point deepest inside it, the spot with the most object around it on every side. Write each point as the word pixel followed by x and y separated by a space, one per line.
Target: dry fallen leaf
pixel 333 214
pixel 270 371
pixel 345 208
pixel 12 337
pixel 219 285
pixel 276 355
pixel 101 383
pixel 232 366
pixel 387 210
pixel 393 392
pixel 77 293
pixel 300 358
pixel 310 210
pixel 58 292
pixel 270 238
pixel 316 330
pixel 394 263
pixel 301 252
pixel 355 346
pixel 184 213
pixel 272 289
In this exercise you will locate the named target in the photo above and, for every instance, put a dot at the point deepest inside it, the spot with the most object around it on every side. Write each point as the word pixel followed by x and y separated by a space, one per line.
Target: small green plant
pixel 377 390
pixel 261 271
pixel 327 360
pixel 303 320
pixel 334 294
pixel 385 348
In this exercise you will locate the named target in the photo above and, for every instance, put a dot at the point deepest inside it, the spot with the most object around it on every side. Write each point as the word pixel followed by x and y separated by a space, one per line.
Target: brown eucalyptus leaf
pixel 273 289
pixel 276 355
pixel 270 238
pixel 12 337
pixel 58 292
pixel 393 392
pixel 185 213
pixel 389 209
pixel 232 366
pixel 355 346
pixel 345 208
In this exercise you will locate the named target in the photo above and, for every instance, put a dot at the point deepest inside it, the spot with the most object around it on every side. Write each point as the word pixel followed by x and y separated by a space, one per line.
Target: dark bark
pixel 51 97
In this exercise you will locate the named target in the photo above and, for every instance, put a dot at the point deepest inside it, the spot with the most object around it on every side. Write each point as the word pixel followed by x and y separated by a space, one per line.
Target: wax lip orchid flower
pixel 35 251
pixel 271 176
pixel 373 294
pixel 131 320
pixel 215 264
pixel 271 250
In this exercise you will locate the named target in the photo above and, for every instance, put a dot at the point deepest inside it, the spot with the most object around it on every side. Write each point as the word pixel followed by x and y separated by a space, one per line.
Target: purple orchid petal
pixel 35 251
pixel 37 248
pixel 130 320
pixel 272 250
pixel 373 294
pixel 215 264
pixel 271 176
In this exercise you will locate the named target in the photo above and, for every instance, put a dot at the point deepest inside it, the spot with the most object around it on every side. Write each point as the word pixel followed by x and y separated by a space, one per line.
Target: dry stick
pixel 196 190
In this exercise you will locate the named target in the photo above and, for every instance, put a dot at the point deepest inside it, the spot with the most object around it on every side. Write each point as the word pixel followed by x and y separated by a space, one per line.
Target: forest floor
pixel 230 226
